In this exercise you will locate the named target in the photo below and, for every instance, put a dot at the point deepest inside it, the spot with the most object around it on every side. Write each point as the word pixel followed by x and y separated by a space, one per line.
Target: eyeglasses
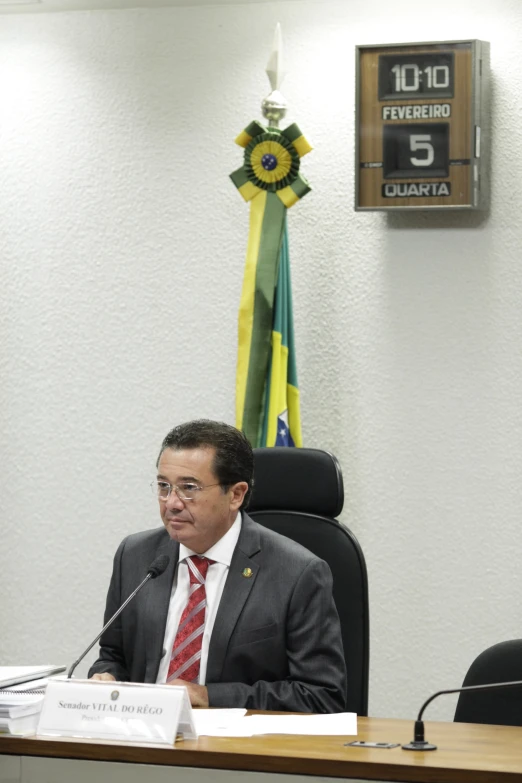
pixel 187 490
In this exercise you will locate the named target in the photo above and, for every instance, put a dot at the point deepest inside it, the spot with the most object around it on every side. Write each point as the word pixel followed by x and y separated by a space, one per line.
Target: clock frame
pixel 422 126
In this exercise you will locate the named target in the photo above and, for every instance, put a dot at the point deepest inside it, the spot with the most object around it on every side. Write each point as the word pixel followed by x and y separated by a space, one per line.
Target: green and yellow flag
pixel 267 395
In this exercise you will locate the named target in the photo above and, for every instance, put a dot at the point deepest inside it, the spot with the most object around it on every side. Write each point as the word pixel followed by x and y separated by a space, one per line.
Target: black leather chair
pixel 299 492
pixel 500 663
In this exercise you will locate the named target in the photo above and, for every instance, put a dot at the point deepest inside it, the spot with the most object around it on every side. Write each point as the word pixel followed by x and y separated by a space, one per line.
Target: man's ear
pixel 237 494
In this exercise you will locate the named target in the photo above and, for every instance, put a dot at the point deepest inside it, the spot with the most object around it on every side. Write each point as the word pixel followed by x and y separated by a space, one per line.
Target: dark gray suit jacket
pixel 276 642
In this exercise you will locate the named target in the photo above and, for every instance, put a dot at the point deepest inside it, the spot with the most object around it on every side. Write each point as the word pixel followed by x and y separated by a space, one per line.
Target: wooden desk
pixel 467 753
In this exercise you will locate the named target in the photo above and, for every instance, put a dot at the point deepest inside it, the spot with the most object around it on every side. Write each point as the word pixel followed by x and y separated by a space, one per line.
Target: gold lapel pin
pixel 246 572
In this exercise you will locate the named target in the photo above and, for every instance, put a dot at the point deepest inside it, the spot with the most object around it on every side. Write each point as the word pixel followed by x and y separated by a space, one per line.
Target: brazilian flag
pixel 267 395
pixel 281 424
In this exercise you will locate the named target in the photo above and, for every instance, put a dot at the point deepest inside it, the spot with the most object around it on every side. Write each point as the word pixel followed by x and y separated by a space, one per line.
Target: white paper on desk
pixel 221 723
pixel 12 675
pixel 338 724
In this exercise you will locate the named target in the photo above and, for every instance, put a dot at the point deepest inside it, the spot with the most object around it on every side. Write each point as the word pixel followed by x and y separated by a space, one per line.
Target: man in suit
pixel 242 616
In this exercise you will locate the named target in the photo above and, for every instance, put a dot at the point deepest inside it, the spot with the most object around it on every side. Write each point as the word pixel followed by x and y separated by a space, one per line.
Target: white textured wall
pixel 122 250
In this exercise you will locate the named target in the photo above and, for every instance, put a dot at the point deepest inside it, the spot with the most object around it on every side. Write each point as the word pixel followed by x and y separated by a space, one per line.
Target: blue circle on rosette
pixel 269 162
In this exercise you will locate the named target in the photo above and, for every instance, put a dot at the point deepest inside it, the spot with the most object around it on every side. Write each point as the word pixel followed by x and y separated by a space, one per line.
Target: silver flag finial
pixel 274 67
pixel 274 105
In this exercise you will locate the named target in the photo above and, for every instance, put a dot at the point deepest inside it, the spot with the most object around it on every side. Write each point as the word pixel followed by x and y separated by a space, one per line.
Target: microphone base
pixel 419 745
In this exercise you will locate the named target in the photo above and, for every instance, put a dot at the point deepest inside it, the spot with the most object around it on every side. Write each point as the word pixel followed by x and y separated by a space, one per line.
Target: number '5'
pixel 422 142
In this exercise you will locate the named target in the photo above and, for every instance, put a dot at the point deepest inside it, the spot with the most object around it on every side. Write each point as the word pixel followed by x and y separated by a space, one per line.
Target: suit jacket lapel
pixel 157 607
pixel 236 591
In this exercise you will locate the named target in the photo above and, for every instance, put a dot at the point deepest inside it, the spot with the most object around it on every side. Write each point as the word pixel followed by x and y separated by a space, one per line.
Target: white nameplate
pixel 128 712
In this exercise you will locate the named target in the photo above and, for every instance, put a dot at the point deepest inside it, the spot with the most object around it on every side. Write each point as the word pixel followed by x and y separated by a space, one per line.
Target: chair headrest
pixel 292 479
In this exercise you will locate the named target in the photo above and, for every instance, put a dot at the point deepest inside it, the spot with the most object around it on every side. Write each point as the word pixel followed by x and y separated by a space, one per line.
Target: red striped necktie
pixel 186 651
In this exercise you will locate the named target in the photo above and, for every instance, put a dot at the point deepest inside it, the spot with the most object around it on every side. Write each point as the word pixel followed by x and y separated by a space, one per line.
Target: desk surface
pixel 467 753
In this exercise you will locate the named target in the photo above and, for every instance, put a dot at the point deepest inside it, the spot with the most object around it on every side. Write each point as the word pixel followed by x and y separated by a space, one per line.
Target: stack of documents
pixel 19 712
pixel 22 691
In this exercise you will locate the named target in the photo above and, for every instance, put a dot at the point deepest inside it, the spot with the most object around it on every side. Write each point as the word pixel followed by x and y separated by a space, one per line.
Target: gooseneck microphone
pixel 156 568
pixel 419 741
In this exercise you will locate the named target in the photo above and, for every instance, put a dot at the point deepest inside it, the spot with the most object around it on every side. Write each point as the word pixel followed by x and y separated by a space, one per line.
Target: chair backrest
pixel 500 663
pixel 299 492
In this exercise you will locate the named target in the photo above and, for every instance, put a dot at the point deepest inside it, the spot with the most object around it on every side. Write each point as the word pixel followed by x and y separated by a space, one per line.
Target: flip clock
pixel 422 126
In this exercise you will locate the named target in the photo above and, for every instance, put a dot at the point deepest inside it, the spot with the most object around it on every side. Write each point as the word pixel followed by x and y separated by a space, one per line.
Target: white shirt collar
pixel 222 550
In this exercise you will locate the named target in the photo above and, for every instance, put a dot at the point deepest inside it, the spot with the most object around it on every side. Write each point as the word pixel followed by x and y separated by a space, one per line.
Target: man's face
pixel 200 522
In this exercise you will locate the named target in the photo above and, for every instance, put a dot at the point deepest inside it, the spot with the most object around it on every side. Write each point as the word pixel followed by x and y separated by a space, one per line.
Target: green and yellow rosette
pixel 272 160
pixel 271 181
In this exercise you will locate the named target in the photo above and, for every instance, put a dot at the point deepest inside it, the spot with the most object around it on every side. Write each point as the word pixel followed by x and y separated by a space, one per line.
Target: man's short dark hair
pixel 233 460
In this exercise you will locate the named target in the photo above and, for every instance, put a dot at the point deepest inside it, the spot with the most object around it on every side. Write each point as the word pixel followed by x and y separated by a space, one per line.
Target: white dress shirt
pixel 217 573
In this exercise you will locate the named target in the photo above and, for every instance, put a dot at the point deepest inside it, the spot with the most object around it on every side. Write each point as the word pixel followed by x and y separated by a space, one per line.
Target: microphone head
pixel 158 566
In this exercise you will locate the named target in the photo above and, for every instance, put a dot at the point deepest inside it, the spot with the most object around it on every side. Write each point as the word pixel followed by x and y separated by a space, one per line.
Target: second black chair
pixel 500 663
pixel 299 492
